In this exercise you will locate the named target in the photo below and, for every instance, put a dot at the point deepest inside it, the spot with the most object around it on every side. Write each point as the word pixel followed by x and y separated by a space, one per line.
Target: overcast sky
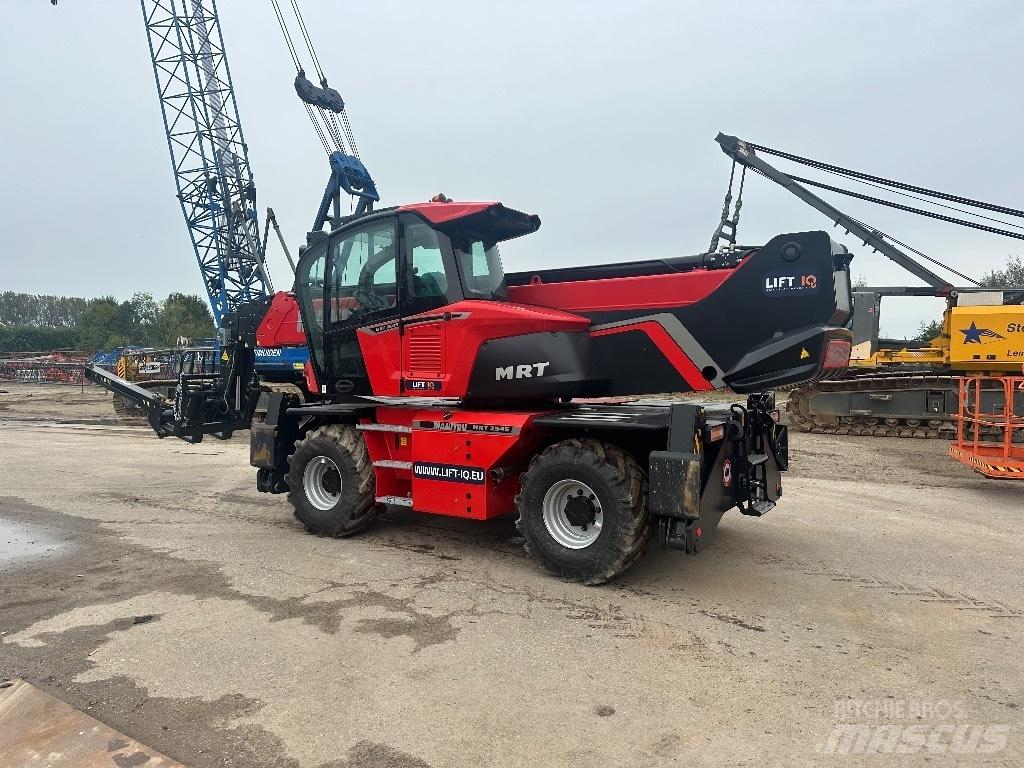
pixel 598 116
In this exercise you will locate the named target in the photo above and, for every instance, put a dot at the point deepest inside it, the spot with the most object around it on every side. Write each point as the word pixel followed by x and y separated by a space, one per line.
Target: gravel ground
pixel 147 583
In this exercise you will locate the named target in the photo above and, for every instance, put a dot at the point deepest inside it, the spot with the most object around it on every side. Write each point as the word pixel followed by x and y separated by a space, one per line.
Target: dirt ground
pixel 149 584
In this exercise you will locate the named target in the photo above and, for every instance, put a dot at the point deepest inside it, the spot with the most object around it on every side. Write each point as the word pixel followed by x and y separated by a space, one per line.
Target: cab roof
pixel 488 218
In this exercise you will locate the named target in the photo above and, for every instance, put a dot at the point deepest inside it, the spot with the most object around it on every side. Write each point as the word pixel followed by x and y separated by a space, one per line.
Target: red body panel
pixel 439 213
pixel 608 295
pixel 282 325
pixel 460 460
pixel 442 352
pixel 312 385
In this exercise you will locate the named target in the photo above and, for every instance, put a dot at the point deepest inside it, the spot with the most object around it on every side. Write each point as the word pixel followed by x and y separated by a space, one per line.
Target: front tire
pixel 583 510
pixel 331 482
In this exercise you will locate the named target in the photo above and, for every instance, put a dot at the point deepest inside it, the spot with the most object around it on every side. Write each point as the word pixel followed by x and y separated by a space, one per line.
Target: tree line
pixel 41 323
pixel 1012 276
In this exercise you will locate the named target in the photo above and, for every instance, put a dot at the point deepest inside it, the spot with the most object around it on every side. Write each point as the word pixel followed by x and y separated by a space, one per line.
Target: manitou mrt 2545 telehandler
pixel 439 383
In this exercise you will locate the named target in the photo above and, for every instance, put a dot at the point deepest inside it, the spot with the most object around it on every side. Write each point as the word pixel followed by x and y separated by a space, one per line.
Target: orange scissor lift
pixel 989 433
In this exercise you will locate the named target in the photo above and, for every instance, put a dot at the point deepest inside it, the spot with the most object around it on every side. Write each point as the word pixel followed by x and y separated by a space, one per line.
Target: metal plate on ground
pixel 40 731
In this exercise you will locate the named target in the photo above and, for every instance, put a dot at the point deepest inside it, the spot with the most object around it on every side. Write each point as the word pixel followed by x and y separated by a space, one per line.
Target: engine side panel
pixel 436 353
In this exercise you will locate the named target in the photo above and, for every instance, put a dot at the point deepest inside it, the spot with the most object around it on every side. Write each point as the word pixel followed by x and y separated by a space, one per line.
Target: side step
pixel 394 501
pixel 758 508
pixel 384 428
pixel 392 464
pixel 757 458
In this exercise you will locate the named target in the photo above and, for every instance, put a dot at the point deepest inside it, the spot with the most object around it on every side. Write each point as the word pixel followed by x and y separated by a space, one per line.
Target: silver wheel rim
pixel 318 482
pixel 557 522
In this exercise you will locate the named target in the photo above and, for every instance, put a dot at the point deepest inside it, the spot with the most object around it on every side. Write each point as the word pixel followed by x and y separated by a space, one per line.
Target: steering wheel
pixel 368 299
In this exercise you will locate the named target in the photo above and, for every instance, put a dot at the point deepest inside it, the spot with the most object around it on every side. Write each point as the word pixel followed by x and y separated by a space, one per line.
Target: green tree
pixel 1012 276
pixel 65 322
pixel 40 310
pixel 182 315
pixel 146 316
pixel 928 331
pixel 31 338
pixel 99 324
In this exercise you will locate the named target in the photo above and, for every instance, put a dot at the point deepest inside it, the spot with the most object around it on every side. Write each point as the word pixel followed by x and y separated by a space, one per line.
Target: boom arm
pixel 739 151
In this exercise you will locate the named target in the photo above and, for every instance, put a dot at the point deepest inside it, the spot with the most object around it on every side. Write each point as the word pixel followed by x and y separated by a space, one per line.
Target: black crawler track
pixel 927 426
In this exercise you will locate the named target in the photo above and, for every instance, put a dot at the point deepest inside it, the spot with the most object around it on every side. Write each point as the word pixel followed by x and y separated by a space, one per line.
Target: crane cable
pixel 324 126
pixel 877 231
pixel 905 190
pixel 330 118
pixel 888 182
pixel 919 211
pixel 309 43
pixel 944 205
pixel 287 35
pixel 924 256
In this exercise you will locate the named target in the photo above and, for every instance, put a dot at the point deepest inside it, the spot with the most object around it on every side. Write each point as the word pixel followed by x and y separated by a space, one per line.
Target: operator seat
pixel 365 293
pixel 430 285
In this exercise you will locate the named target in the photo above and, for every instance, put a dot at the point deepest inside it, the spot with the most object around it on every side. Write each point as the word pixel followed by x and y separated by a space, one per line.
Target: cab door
pixel 348 293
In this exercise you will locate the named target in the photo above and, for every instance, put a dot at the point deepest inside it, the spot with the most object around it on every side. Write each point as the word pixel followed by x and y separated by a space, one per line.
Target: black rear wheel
pixel 583 510
pixel 331 483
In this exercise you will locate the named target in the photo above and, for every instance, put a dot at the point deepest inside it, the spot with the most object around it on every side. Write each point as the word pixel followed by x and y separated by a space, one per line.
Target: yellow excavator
pixel 895 388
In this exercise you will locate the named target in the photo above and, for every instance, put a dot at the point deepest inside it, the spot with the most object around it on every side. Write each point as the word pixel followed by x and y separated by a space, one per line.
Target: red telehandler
pixel 437 382
pixel 440 383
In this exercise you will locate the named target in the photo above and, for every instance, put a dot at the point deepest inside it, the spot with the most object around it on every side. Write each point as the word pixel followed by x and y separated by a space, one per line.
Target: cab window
pixel 362 274
pixel 431 277
pixel 480 266
pixel 309 283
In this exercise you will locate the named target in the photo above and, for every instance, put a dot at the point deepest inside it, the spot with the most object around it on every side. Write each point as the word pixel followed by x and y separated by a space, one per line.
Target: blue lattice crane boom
pixel 208 151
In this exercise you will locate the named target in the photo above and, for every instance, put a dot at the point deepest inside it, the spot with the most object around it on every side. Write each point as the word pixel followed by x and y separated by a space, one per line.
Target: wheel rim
pixel 321 482
pixel 572 514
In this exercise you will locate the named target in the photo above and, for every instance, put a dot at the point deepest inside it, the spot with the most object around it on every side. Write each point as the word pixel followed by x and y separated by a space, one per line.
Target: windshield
pixel 480 267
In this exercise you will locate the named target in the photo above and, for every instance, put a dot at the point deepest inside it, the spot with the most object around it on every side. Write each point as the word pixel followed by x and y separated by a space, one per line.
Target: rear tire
pixel 331 482
pixel 570 490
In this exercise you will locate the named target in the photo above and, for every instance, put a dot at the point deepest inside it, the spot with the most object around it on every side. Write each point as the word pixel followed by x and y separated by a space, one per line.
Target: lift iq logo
pixel 784 283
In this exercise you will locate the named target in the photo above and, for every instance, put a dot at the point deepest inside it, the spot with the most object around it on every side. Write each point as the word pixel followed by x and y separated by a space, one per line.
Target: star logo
pixel 974 334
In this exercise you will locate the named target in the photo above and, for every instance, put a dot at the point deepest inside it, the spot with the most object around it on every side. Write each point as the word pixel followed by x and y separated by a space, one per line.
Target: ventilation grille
pixel 425 353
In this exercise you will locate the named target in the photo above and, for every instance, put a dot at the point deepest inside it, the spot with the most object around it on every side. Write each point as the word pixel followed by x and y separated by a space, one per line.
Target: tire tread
pixel 625 477
pixel 347 439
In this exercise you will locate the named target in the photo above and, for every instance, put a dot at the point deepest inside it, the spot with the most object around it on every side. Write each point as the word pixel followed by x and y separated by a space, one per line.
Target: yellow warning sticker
pixel 804 354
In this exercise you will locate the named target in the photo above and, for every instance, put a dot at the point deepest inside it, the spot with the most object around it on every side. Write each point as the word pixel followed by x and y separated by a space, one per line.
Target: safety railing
pixel 990 426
